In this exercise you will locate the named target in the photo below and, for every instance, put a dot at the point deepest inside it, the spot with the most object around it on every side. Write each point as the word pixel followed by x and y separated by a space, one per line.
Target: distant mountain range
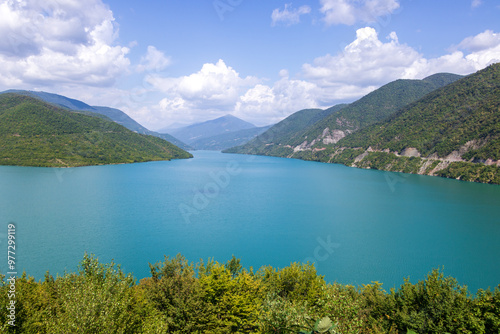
pixel 36 133
pixel 445 125
pixel 229 139
pixel 116 115
pixel 218 134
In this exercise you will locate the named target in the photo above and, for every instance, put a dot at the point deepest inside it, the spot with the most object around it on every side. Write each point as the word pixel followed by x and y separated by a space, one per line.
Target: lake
pixel 358 226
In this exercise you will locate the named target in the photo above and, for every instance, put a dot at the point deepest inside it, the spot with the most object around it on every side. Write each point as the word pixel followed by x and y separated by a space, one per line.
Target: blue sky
pixel 174 61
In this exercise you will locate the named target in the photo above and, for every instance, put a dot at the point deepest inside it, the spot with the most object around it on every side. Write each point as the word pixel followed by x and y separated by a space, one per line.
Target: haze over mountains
pixel 217 134
pixel 444 125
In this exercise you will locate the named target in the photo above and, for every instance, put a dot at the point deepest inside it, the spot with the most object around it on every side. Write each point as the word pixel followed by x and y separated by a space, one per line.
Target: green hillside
pixel 305 132
pixel 452 132
pixel 35 133
pixel 277 140
pixel 373 108
pixel 113 114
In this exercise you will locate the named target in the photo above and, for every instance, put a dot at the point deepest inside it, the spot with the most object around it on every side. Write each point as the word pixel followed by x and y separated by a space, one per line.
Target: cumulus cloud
pixel 472 54
pixel 288 16
pixel 351 11
pixel 367 63
pixel 361 67
pixel 154 60
pixel 483 41
pixel 264 105
pixel 215 85
pixel 213 90
pixel 59 42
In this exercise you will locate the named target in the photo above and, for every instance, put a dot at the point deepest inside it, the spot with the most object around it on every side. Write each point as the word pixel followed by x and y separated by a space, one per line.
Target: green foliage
pixel 234 302
pixel 210 297
pixel 443 121
pixel 298 282
pixel 436 116
pixel 323 325
pixel 341 304
pixel 98 299
pixel 436 305
pixel 34 133
pixel 488 305
pixel 282 316
pixel 467 171
pixel 309 124
pixel 378 105
pixel 390 162
pixel 174 292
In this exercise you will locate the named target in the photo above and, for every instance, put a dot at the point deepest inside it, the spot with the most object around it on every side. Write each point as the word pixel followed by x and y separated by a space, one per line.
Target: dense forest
pixel 409 126
pixel 35 133
pixel 212 297
pixel 309 127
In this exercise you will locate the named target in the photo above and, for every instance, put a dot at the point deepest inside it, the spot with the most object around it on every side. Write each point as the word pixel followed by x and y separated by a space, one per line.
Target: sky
pixel 177 62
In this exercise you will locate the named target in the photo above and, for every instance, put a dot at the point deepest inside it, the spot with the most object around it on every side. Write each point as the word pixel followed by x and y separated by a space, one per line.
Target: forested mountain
pixel 452 132
pixel 373 108
pixel 284 133
pixel 436 126
pixel 342 120
pixel 115 115
pixel 36 133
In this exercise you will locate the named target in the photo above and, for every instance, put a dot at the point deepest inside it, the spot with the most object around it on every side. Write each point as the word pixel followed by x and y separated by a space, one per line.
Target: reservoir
pixel 357 226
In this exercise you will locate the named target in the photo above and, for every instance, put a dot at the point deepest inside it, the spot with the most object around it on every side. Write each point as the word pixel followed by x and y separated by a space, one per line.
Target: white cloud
pixel 154 60
pixel 480 42
pixel 264 105
pixel 472 54
pixel 215 85
pixel 476 3
pixel 211 92
pixel 363 66
pixel 59 42
pixel 365 62
pixel 289 16
pixel 217 89
pixel 351 11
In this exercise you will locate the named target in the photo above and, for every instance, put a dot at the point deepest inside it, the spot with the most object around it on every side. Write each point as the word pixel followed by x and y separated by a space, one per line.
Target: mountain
pixel 171 127
pixel 37 133
pixel 229 139
pixel 211 128
pixel 114 114
pixel 285 132
pixel 370 109
pixel 451 132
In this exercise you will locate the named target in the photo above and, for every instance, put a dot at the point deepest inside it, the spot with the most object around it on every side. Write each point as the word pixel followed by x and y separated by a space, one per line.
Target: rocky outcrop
pixel 410 152
pixel 332 137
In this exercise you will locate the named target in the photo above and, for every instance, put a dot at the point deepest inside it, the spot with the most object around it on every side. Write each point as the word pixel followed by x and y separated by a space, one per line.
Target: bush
pixel 180 297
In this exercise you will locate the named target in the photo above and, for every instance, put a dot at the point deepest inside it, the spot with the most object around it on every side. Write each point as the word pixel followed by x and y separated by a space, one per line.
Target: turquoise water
pixel 357 225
